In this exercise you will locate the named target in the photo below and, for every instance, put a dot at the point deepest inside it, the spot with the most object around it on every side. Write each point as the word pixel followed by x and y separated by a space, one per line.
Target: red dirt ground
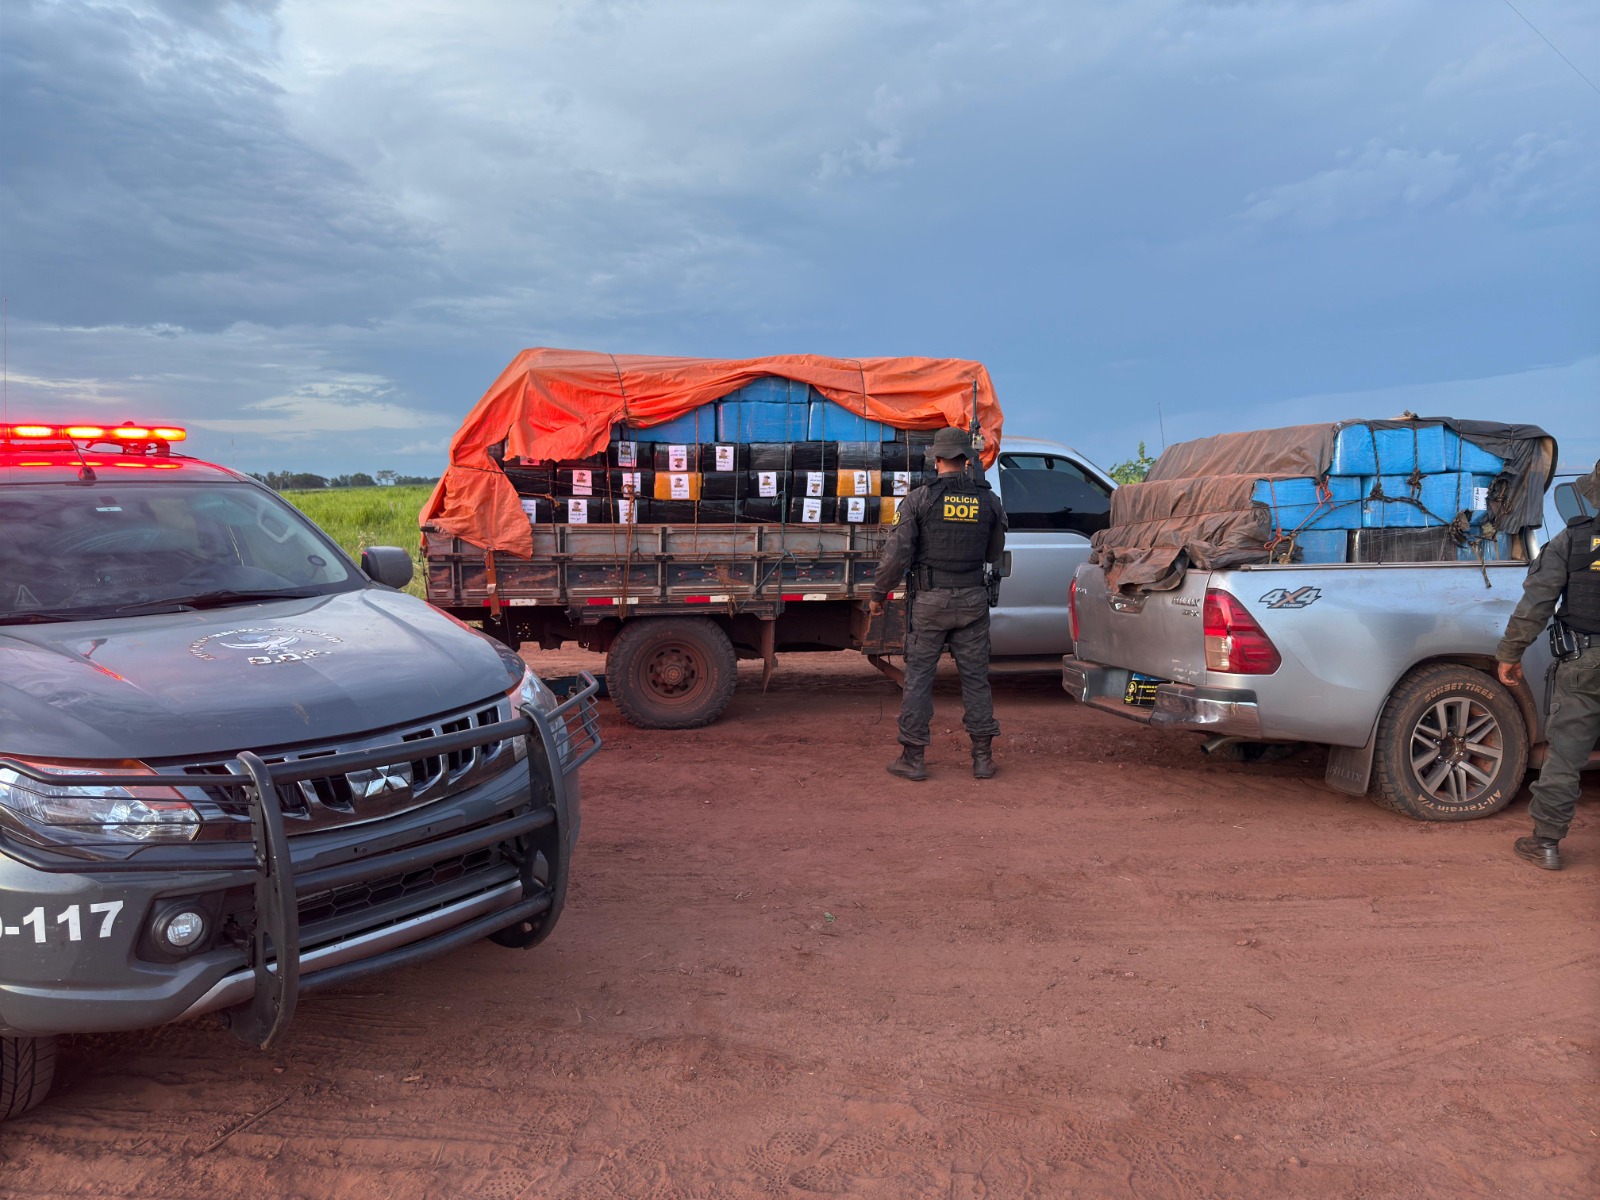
pixel 1118 970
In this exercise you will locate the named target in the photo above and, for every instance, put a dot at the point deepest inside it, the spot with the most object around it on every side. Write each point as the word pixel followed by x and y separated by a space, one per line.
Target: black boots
pixel 1540 851
pixel 983 758
pixel 909 764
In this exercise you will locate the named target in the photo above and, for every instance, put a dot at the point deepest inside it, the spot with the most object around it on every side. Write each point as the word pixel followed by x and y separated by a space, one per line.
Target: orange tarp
pixel 550 405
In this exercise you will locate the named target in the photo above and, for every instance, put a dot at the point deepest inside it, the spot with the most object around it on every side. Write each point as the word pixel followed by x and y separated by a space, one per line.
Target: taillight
pixel 1072 609
pixel 1235 644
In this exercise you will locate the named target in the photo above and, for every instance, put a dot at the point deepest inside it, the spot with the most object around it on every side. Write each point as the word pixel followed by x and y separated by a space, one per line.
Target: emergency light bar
pixel 92 433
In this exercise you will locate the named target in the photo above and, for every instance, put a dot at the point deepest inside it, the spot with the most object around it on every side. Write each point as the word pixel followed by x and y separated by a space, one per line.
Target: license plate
pixel 1141 690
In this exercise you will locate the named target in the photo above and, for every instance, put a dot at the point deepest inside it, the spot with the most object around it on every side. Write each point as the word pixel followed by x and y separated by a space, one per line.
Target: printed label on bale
pixel 767 483
pixel 724 458
pixel 583 483
pixel 677 460
pixel 813 483
pixel 577 512
pixel 626 510
pixel 811 512
pixel 627 454
pixel 899 483
pixel 862 483
pixel 1480 499
pixel 530 505
pixel 680 487
pixel 855 509
pixel 630 483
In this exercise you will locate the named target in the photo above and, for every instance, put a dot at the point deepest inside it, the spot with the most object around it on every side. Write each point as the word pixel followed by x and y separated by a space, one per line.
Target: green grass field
pixel 361 517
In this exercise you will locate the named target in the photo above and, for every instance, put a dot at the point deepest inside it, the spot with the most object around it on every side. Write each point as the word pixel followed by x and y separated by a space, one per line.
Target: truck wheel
pixel 1451 746
pixel 27 1067
pixel 671 672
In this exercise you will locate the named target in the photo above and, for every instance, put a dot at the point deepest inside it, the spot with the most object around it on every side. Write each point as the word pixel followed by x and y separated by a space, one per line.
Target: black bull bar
pixel 556 743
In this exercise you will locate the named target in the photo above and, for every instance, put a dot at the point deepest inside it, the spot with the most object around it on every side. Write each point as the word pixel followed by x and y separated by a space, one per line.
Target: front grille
pixel 374 893
pixel 347 798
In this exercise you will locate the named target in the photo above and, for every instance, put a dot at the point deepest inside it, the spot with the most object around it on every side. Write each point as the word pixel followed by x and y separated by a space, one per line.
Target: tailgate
pixel 1154 633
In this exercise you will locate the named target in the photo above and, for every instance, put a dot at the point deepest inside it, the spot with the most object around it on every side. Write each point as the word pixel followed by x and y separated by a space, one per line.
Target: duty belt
pixel 931 578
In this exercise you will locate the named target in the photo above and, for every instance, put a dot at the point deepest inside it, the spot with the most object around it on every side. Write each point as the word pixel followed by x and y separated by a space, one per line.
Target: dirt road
pixel 1117 970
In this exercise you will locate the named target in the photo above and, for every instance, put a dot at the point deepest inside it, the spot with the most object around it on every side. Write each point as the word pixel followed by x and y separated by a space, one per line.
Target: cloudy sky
pixel 316 230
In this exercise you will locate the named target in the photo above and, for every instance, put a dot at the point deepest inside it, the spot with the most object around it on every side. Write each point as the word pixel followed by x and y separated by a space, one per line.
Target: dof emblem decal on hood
pixel 263 645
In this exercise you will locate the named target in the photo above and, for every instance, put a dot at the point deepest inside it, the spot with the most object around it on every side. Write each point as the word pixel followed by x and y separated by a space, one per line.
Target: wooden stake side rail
pixel 592 570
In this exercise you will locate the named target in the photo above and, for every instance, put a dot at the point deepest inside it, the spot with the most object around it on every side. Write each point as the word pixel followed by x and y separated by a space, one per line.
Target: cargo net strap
pixel 1445 533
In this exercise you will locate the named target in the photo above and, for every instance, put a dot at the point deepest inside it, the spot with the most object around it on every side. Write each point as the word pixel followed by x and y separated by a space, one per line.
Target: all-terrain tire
pixel 27 1068
pixel 1451 746
pixel 671 672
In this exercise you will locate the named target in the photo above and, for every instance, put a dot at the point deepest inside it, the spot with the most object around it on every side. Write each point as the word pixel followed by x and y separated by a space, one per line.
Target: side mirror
pixel 1570 502
pixel 388 565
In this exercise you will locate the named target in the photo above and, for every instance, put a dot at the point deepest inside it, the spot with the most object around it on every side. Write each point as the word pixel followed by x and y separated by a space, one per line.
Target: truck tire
pixel 1451 746
pixel 27 1068
pixel 671 672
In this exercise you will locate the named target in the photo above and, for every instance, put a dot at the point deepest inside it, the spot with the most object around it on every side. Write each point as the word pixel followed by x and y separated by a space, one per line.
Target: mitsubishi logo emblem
pixel 380 782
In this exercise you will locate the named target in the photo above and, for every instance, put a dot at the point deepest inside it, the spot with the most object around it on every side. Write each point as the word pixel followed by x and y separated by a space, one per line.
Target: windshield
pixel 84 550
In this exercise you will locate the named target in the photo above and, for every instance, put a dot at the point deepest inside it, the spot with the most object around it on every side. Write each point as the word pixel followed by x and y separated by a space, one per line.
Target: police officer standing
pixel 1568 570
pixel 944 533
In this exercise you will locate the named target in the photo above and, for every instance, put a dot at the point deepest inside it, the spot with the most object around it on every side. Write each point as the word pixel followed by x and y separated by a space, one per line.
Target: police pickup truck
pixel 235 766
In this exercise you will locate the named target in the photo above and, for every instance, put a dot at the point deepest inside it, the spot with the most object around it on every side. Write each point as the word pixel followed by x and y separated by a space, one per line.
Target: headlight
pixel 532 690
pixel 96 814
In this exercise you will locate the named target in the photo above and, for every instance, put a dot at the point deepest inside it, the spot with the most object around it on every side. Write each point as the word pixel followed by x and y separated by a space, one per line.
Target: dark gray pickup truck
pixel 235 767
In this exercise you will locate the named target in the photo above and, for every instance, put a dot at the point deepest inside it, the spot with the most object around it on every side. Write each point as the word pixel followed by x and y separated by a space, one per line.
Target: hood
pixel 249 677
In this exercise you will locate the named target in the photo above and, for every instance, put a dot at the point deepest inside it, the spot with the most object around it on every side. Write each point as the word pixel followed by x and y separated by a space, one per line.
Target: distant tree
pixel 301 481
pixel 416 480
pixel 1134 469
pixel 385 478
pixel 362 479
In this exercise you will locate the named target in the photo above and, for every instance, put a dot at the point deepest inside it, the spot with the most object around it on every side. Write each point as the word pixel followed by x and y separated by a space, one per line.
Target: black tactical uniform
pixel 1568 570
pixel 944 533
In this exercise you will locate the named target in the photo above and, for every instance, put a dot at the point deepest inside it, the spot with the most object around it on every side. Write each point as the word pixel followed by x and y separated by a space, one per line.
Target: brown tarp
pixel 550 405
pixel 1195 507
pixel 1295 452
pixel 1160 528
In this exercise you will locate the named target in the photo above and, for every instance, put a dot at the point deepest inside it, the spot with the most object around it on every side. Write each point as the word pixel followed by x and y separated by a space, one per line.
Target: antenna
pixel 975 432
pixel 1161 423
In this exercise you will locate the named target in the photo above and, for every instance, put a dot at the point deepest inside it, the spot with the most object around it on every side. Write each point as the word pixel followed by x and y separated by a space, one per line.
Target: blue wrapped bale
pixel 744 421
pixel 1299 504
pixel 830 422
pixel 1429 448
pixel 1475 460
pixel 769 409
pixel 1323 545
pixel 1363 450
pixel 697 425
pixel 1434 501
pixel 1496 549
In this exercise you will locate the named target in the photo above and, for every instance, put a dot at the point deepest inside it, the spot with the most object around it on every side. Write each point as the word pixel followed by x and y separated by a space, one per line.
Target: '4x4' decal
pixel 1299 598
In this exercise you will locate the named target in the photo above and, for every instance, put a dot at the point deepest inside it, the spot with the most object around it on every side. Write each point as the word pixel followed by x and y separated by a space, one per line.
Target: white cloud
pixel 1372 182
pixel 348 405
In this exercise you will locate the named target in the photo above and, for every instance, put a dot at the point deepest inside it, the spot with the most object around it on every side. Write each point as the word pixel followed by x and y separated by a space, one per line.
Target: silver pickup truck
pixel 1389 665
